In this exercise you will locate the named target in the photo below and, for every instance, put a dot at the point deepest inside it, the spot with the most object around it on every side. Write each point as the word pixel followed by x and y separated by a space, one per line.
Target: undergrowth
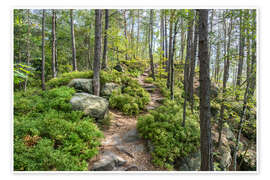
pixel 48 135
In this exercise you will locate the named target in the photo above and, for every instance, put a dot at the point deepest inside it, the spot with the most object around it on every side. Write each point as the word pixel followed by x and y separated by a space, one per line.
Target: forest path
pixel 122 149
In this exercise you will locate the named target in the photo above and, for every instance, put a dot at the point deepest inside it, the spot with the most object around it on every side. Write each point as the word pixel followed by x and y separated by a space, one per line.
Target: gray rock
pixel 94 106
pixel 84 85
pixel 150 146
pixel 139 147
pixel 124 150
pixel 115 140
pixel 132 168
pixel 191 163
pixel 226 160
pixel 131 136
pixel 108 162
pixel 109 88
pixel 118 68
pixel 229 134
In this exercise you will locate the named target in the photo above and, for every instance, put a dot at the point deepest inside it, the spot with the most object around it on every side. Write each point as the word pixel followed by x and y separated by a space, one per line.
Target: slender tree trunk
pixel 183 39
pixel 240 127
pixel 151 44
pixel 98 29
pixel 28 46
pixel 253 55
pixel 170 52
pixel 205 126
pixel 225 79
pixel 74 62
pixel 217 69
pixel 172 59
pixel 138 34
pixel 132 33
pixel 166 38
pixel 241 55
pixel 104 61
pixel 53 45
pixel 43 52
pixel 90 63
pixel 192 63
pixel 125 31
pixel 186 69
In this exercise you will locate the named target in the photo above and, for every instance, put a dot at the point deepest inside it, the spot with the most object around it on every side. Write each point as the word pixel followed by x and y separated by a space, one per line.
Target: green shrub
pixel 48 135
pixel 170 140
pixel 148 80
pixel 132 99
pixel 65 78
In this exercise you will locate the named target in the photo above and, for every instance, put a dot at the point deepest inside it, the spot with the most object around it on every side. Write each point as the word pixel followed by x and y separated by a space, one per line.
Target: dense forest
pixel 134 90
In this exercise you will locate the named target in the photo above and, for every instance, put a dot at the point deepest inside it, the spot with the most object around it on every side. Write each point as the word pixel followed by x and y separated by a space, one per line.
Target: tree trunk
pixel 186 67
pixel 90 63
pixel 74 62
pixel 104 61
pixel 225 78
pixel 241 55
pixel 170 52
pixel 98 29
pixel 53 45
pixel 28 46
pixel 43 52
pixel 192 63
pixel 125 31
pixel 151 44
pixel 205 126
pixel 138 34
pixel 166 38
pixel 172 59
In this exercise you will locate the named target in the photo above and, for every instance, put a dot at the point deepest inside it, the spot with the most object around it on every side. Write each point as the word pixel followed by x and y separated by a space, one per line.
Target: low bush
pixel 48 135
pixel 131 98
pixel 148 80
pixel 169 139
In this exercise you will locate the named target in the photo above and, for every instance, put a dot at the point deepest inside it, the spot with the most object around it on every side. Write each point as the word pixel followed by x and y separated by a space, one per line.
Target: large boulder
pixel 94 106
pixel 108 88
pixel 84 85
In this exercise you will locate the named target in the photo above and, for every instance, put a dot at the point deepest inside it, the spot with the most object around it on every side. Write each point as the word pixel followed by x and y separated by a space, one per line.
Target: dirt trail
pixel 121 138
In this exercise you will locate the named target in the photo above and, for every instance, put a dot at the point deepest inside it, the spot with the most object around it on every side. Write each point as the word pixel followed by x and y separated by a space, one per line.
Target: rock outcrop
pixel 94 106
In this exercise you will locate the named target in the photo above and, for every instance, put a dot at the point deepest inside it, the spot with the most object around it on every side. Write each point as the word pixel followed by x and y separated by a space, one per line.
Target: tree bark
pixel 98 29
pixel 172 59
pixel 53 45
pixel 74 62
pixel 187 67
pixel 241 55
pixel 43 52
pixel 205 126
pixel 225 77
pixel 166 38
pixel 138 34
pixel 125 32
pixel 28 46
pixel 104 58
pixel 192 63
pixel 151 44
pixel 170 51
